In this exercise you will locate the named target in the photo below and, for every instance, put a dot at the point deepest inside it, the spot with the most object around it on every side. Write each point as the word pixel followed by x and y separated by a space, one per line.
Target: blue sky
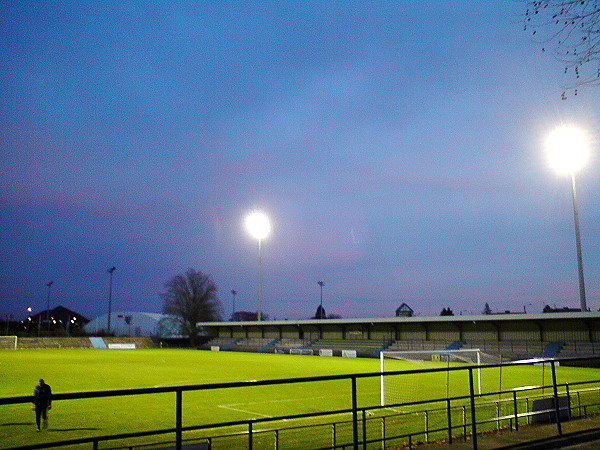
pixel 396 146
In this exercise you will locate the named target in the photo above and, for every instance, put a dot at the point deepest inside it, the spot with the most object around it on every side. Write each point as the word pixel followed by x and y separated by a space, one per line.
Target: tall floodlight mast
pixel 110 271
pixel 259 227
pixel 49 284
pixel 568 152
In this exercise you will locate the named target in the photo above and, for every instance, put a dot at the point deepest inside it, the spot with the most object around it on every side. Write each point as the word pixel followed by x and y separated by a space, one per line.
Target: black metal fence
pixel 373 426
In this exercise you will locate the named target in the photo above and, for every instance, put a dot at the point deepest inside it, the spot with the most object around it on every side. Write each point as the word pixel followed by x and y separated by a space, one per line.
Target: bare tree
pixel 193 298
pixel 570 30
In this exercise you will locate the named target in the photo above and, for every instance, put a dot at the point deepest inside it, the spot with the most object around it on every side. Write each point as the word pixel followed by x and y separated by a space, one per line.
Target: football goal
pixel 9 342
pixel 396 389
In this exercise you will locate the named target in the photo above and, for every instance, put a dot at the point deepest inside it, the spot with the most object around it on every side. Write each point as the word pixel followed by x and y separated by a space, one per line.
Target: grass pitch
pixel 83 370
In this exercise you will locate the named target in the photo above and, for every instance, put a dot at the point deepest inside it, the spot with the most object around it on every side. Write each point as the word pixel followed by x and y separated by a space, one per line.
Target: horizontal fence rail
pixel 449 415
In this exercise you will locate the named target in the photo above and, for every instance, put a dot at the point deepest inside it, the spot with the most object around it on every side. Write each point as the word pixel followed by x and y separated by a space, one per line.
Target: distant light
pixel 568 149
pixel 258 225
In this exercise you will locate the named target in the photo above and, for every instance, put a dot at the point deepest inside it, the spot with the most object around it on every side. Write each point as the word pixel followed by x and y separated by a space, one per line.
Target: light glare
pixel 258 225
pixel 567 149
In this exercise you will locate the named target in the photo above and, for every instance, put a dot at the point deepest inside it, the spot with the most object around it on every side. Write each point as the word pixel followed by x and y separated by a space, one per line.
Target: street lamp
pixel 233 292
pixel 259 227
pixel 321 284
pixel 568 151
pixel 49 284
pixel 110 271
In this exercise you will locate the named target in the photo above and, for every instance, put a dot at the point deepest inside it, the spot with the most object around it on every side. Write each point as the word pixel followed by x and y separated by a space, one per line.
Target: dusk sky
pixel 397 147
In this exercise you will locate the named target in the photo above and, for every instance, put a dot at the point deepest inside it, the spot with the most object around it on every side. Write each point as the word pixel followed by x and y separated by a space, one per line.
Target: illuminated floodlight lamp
pixel 258 225
pixel 568 149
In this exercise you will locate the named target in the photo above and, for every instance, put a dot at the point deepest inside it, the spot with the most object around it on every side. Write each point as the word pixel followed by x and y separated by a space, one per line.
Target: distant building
pixel 59 318
pixel 137 324
pixel 404 311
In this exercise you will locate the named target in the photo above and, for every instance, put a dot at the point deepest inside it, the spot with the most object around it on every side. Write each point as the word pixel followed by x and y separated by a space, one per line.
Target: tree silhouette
pixel 320 314
pixel 446 312
pixel 570 30
pixel 193 298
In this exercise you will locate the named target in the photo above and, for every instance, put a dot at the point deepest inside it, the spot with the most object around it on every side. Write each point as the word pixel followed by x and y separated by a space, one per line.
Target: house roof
pixel 404 307
pixel 60 312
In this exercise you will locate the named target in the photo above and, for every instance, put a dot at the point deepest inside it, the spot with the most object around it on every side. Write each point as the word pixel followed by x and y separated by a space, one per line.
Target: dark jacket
pixel 42 389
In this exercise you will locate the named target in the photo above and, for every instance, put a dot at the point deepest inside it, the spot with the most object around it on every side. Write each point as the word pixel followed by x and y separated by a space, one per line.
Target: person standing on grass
pixel 42 405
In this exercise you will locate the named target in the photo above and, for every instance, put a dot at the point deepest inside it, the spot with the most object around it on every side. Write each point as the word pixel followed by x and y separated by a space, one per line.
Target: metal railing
pixel 510 407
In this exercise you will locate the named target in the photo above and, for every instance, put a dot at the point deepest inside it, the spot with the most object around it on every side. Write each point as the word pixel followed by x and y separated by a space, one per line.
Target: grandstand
pixel 80 342
pixel 509 337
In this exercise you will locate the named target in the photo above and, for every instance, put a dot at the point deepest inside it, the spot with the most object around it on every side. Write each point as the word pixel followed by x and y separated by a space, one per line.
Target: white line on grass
pixel 245 411
pixel 232 406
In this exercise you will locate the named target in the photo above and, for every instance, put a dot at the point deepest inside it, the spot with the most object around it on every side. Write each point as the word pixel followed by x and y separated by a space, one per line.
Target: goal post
pixel 8 342
pixel 392 390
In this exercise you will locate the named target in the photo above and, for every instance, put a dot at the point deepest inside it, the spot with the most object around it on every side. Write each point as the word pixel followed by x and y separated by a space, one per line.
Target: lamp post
pixel 49 284
pixel 321 284
pixel 259 227
pixel 568 151
pixel 9 318
pixel 110 271
pixel 233 292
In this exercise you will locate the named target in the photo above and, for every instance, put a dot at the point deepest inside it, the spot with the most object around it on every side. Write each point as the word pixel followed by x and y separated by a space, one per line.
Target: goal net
pixel 409 388
pixel 9 342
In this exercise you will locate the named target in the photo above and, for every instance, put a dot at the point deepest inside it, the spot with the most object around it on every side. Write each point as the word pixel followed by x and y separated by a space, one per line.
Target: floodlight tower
pixel 49 284
pixel 110 271
pixel 568 152
pixel 233 293
pixel 259 227
pixel 321 284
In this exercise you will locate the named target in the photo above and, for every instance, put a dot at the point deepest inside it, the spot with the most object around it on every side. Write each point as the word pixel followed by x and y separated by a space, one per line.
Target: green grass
pixel 82 370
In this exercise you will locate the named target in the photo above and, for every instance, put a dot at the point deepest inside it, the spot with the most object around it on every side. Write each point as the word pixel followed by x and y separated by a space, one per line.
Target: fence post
pixel 556 407
pixel 473 420
pixel 249 435
pixel 464 422
pixel 354 414
pixel 178 418
pixel 426 417
pixel 364 429
pixel 568 400
pixel 497 415
pixel 449 415
pixel 516 410
pixel 333 435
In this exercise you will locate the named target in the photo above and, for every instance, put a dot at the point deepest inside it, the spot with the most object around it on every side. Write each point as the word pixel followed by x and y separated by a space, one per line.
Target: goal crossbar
pixel 9 342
